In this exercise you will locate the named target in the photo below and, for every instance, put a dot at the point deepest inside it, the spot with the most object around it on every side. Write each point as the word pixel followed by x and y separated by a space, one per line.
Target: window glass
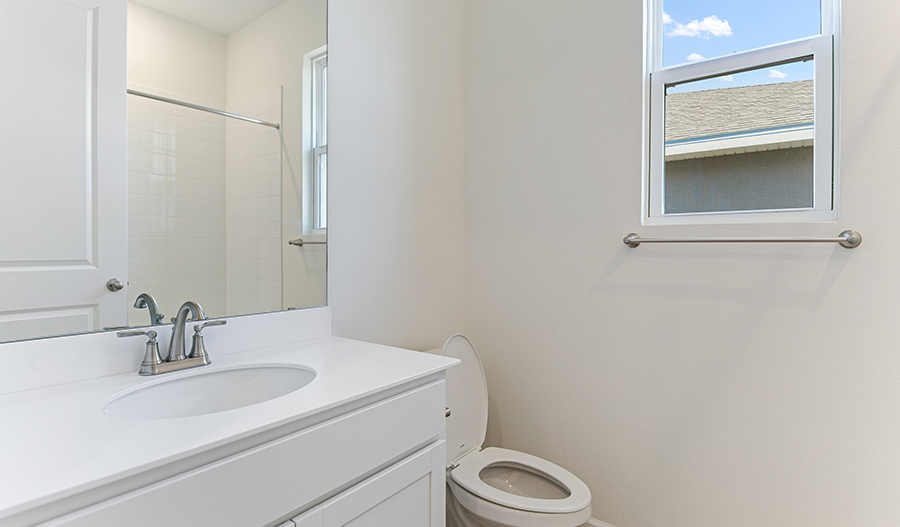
pixel 320 142
pixel 322 106
pixel 698 29
pixel 741 142
pixel 322 191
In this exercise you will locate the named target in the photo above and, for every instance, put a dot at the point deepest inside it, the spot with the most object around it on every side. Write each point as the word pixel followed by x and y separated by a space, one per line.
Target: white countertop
pixel 55 442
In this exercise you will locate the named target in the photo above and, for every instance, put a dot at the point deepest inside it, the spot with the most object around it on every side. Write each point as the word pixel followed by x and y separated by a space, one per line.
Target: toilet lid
pixel 466 398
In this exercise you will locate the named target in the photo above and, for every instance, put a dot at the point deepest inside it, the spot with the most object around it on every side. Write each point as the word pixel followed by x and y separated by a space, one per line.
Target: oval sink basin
pixel 210 392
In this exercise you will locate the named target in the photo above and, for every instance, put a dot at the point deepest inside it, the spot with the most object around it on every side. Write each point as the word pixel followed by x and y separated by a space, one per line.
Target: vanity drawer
pixel 276 479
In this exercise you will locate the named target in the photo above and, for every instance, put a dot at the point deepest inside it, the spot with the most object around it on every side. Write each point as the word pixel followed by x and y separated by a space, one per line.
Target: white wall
pixel 253 199
pixel 263 55
pixel 175 56
pixel 176 206
pixel 688 386
pixel 174 157
pixel 396 170
pixel 176 165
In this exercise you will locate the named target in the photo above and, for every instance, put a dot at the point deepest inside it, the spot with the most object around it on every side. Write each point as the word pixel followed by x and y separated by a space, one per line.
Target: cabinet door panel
pixel 407 508
pixel 311 518
pixel 399 496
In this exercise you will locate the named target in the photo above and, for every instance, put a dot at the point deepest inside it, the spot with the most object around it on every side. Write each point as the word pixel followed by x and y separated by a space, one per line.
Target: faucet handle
pixel 198 328
pixel 152 359
pixel 136 332
pixel 198 349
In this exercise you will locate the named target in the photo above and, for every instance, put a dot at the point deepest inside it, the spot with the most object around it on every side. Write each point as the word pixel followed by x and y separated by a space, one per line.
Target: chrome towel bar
pixel 848 239
pixel 300 243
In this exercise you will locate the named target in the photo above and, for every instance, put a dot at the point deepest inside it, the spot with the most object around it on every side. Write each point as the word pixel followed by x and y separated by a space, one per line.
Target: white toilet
pixel 496 487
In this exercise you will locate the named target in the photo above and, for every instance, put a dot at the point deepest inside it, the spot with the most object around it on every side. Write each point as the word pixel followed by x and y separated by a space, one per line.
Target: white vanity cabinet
pixel 381 464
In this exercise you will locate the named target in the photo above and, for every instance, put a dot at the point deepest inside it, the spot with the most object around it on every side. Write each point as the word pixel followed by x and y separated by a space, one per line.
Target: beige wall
pixel 268 52
pixel 171 55
pixel 395 214
pixel 689 386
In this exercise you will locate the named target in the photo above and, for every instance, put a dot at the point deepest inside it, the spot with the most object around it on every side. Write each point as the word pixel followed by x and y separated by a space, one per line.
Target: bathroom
pixel 484 175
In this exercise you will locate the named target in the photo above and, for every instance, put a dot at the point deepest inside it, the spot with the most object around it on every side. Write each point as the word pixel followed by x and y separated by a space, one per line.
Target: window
pixel 741 102
pixel 315 141
pixel 320 140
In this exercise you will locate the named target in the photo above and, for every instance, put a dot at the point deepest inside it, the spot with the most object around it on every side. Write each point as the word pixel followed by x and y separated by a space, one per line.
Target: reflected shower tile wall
pixel 176 205
pixel 253 206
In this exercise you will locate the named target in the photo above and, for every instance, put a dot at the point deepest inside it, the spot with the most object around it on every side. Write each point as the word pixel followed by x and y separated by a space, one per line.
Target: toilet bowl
pixel 497 487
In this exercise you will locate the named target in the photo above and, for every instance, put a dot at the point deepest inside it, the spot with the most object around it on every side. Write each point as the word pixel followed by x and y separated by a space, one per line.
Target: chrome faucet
pixel 176 343
pixel 146 300
pixel 176 359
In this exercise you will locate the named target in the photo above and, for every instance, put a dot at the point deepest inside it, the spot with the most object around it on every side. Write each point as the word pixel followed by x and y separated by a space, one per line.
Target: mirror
pixel 213 201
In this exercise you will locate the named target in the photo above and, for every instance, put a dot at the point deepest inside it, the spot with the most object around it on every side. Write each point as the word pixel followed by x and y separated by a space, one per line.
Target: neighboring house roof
pixel 739 120
pixel 726 111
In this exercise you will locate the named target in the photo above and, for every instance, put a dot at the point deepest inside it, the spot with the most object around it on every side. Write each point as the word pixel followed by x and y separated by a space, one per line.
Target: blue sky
pixel 698 29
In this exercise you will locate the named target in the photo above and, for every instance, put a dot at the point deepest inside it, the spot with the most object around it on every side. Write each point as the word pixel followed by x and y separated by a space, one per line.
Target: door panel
pixel 62 142
pixel 26 324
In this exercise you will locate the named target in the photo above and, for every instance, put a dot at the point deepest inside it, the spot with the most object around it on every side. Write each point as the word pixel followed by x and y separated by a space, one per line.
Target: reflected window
pixel 320 140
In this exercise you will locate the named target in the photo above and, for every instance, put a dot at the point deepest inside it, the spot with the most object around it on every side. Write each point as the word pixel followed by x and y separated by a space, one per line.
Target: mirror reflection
pixel 226 212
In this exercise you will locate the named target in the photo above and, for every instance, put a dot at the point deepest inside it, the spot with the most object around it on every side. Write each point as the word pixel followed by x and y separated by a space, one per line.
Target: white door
pixel 63 191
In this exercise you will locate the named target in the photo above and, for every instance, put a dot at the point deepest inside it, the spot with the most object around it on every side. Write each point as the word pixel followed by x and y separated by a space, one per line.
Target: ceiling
pixel 221 16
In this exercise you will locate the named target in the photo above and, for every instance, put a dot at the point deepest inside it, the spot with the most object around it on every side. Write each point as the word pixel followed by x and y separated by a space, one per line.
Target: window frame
pixel 319 141
pixel 823 49
pixel 314 128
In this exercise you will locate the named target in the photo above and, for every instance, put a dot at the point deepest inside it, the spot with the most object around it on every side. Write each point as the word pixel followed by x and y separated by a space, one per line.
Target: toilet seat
pixel 468 476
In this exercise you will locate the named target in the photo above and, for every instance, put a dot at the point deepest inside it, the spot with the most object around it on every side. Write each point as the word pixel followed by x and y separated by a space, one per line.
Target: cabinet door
pixel 408 494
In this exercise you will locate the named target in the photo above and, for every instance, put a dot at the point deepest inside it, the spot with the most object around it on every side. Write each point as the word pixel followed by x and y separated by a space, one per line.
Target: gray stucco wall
pixel 773 179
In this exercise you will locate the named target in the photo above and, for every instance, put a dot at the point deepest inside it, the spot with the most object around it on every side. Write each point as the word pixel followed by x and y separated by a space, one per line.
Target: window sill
pixel 732 218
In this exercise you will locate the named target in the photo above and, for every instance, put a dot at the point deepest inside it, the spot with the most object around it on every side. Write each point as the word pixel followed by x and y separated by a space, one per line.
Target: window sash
pixel 320 187
pixel 319 101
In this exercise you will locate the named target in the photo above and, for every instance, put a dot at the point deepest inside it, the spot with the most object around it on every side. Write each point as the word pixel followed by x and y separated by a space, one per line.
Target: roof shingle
pixel 713 113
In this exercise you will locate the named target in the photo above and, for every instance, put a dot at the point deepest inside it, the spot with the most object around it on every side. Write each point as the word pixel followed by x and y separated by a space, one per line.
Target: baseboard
pixel 598 523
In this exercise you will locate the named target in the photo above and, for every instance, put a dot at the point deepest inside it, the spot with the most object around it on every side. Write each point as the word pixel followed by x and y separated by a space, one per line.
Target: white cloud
pixel 775 74
pixel 727 78
pixel 693 57
pixel 711 25
pixel 666 18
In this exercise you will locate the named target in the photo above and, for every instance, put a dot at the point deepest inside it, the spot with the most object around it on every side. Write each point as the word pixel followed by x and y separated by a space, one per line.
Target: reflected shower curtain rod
pixel 204 109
